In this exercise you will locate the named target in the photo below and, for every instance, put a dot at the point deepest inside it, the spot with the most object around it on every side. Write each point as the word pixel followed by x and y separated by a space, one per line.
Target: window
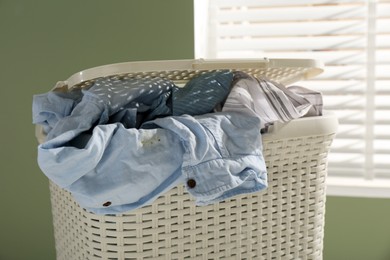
pixel 352 38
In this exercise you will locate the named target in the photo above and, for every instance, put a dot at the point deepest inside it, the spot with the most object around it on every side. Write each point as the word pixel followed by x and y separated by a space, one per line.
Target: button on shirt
pixel 110 168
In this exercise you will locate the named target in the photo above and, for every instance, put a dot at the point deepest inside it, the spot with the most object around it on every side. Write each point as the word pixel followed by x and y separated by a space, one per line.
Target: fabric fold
pixel 115 148
pixel 269 101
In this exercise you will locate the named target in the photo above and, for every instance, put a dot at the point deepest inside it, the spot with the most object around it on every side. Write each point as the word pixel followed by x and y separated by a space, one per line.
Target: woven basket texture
pixel 286 221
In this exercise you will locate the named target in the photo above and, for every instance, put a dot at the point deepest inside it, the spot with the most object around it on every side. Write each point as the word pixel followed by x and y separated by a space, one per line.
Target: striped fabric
pixel 271 101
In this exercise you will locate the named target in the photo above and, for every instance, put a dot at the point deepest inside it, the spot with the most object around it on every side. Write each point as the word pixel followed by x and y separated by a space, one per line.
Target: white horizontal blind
pixel 352 38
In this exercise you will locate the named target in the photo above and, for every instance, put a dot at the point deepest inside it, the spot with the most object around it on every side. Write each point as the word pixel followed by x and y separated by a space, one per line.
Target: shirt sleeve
pixel 222 154
pixel 117 170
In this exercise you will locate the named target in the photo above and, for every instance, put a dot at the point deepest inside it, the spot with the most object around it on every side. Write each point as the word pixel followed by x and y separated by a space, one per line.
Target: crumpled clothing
pixel 117 150
pixel 114 169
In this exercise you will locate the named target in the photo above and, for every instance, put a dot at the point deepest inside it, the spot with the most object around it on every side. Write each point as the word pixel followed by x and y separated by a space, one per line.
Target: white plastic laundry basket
pixel 286 221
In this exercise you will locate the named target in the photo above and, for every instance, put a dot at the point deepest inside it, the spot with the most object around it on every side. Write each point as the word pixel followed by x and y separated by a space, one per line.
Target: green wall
pixel 357 229
pixel 45 41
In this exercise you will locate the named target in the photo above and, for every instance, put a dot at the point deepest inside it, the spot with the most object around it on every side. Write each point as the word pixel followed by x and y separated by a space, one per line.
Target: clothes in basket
pixel 120 144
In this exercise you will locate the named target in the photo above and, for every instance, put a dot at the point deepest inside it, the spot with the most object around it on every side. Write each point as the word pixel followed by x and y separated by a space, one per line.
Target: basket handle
pixel 213 64
pixel 198 64
pixel 303 127
pixel 167 65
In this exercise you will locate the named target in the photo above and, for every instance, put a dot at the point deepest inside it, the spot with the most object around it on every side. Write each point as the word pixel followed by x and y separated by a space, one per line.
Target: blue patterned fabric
pixel 202 94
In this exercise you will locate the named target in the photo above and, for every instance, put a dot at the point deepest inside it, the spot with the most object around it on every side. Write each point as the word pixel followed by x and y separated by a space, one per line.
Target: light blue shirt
pixel 111 169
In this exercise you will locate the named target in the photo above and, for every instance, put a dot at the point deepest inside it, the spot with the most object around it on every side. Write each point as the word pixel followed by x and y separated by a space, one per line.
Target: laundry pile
pixel 124 141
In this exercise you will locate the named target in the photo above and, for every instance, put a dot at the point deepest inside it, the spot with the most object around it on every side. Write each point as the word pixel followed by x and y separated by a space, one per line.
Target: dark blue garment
pixel 202 94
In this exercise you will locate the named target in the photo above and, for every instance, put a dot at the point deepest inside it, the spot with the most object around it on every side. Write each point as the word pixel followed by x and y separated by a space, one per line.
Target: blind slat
pixel 295 43
pixel 300 13
pixel 294 29
pixel 281 3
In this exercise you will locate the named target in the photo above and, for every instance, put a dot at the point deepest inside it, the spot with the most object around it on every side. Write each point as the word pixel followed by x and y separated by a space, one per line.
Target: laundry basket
pixel 286 221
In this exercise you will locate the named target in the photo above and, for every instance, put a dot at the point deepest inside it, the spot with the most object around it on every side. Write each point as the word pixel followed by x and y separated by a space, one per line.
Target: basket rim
pixel 313 67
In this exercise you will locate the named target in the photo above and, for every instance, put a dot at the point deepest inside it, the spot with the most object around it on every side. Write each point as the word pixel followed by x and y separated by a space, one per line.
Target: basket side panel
pixel 69 231
pixel 284 222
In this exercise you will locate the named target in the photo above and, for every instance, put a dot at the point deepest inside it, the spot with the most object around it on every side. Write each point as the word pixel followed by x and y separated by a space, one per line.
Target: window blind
pixel 352 38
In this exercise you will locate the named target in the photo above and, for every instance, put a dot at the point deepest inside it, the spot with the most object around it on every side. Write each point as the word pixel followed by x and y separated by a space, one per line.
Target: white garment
pixel 270 101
